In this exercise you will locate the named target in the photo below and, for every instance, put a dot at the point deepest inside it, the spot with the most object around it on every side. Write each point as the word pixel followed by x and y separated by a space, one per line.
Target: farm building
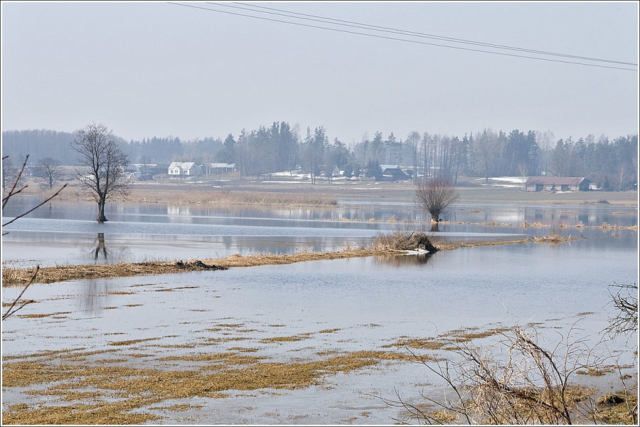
pixel 184 169
pixel 556 183
pixel 216 168
pixel 393 173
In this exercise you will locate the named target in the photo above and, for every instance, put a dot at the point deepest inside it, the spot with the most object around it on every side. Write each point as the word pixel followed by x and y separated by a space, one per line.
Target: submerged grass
pixel 123 395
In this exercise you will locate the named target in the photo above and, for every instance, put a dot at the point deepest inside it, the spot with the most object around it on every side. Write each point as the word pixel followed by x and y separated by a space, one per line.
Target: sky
pixel 149 69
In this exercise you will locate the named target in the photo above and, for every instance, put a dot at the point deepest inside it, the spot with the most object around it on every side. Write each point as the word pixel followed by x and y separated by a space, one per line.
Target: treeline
pixel 280 147
pixel 40 144
pixel 613 165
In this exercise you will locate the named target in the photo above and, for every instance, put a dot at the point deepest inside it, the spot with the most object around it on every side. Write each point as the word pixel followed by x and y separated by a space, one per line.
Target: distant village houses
pixel 179 169
pixel 393 173
pixel 556 183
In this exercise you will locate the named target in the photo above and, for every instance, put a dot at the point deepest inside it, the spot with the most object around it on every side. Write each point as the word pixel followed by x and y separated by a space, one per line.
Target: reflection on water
pixel 589 215
pixel 100 247
pixel 62 233
pixel 367 303
pixel 94 296
pixel 402 260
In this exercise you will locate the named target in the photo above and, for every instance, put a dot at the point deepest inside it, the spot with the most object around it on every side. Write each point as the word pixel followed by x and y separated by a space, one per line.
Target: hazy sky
pixel 158 69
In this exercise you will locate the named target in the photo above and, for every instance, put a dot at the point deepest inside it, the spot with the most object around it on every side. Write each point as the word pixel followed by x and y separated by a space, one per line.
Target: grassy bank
pixel 189 195
pixel 396 243
pixel 263 193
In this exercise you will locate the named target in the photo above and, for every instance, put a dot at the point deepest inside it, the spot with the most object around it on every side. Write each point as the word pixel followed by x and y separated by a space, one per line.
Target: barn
pixel 556 183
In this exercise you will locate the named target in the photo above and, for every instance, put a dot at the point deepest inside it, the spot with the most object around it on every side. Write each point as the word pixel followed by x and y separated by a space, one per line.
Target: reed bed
pixel 219 197
pixel 21 276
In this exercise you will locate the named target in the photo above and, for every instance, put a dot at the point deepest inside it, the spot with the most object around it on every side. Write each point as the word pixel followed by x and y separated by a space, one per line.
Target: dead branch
pixel 12 308
pixel 33 209
pixel 15 183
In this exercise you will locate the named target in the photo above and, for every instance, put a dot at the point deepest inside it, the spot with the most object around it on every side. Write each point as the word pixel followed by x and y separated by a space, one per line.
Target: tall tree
pixel 314 148
pixel 105 163
pixel 413 139
pixel 227 154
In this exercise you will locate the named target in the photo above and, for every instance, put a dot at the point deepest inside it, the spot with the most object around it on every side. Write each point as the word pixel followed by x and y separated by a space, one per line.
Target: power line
pixel 399 39
pixel 411 33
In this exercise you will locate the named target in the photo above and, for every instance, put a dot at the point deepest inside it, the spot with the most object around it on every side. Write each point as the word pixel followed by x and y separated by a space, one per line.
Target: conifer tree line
pixel 612 163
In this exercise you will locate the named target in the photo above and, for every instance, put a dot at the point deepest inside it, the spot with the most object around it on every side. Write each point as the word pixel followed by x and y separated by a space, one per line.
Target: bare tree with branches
pixel 626 301
pixel 105 161
pixel 435 196
pixel 49 171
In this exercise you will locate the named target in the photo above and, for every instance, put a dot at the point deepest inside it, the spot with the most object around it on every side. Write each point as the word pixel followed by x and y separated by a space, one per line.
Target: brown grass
pixel 218 197
pixel 384 245
pixel 448 339
pixel 138 388
pixel 552 239
pixel 403 241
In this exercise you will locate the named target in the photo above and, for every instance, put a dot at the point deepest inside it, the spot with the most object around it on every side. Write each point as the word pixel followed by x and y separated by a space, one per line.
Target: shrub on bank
pixel 404 241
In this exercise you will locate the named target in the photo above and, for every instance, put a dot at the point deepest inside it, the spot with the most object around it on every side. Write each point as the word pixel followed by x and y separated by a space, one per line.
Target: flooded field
pixel 311 343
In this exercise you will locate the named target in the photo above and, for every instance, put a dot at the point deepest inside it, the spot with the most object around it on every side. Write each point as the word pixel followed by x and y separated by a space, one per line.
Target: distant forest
pixel 613 164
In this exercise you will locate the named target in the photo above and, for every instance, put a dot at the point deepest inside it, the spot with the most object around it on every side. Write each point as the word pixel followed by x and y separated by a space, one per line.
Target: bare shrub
pixel 515 381
pixel 626 301
pixel 402 240
pixel 435 196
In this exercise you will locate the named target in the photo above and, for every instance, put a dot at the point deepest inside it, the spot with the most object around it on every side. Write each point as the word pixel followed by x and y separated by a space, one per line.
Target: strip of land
pixel 61 273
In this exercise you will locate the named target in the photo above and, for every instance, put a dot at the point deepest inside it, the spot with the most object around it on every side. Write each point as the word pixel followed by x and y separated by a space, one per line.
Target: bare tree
pixel 413 139
pixel 105 161
pixel 435 196
pixel 49 170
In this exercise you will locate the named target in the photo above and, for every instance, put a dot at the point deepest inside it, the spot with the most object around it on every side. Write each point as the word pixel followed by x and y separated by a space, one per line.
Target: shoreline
pixel 22 276
pixel 263 194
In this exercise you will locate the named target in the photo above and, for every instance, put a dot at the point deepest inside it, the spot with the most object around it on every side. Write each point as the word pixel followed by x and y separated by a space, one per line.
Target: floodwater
pixel 66 233
pixel 342 305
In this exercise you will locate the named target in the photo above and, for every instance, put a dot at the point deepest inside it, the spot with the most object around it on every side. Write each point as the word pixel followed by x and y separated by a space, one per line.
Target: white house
pixel 184 169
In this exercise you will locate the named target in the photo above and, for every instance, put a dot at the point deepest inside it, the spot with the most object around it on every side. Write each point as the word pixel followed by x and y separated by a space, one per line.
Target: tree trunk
pixel 101 218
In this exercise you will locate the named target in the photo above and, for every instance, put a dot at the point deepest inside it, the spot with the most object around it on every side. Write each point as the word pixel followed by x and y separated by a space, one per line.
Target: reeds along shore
pixel 395 243
pixel 212 197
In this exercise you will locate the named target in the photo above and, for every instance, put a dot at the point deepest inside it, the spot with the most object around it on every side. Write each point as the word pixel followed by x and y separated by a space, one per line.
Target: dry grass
pixel 131 342
pixel 292 338
pixel 403 241
pixel 553 238
pixel 135 389
pixel 383 245
pixel 19 277
pixel 617 408
pixel 231 198
pixel 448 339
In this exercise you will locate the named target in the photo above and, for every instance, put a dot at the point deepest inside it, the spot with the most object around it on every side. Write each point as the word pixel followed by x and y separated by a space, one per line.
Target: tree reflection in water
pixel 99 252
pixel 100 247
